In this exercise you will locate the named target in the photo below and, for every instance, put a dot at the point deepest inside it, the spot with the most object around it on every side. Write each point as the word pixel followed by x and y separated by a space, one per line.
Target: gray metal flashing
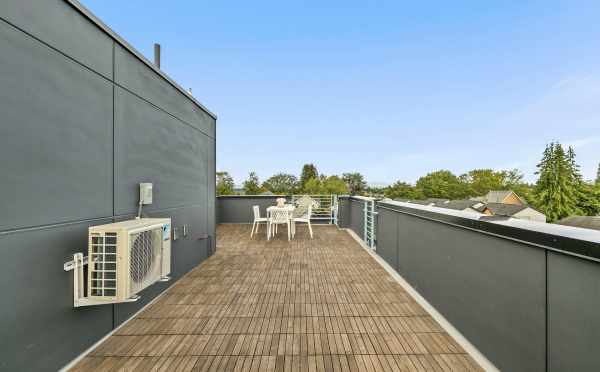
pixel 89 15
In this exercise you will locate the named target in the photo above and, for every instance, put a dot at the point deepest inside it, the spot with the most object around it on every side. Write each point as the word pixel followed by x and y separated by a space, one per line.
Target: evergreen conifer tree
pixel 577 183
pixel 309 171
pixel 556 190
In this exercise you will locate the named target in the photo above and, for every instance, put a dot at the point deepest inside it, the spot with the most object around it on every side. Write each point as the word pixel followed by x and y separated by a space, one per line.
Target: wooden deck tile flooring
pixel 307 305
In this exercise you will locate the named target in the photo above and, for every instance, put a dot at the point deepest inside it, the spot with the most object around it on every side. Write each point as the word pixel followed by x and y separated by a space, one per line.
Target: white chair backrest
pixel 256 210
pixel 302 206
pixel 304 200
pixel 279 215
pixel 299 211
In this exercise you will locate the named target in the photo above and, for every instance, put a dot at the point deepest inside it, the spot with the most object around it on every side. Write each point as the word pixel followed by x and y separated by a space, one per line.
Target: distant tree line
pixel 310 182
pixel 560 190
pixel 446 185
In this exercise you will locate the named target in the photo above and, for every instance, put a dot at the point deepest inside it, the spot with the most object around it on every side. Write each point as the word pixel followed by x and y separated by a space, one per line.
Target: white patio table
pixel 287 207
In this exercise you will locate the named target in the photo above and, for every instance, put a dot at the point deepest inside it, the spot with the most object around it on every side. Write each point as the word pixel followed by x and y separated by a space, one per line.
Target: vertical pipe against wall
pixel 157 54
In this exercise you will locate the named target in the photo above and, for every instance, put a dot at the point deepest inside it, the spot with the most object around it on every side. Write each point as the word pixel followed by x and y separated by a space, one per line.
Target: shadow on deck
pixel 306 305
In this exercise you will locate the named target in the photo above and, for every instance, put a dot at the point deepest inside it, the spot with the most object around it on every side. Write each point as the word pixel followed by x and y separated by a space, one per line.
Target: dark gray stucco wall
pixel 351 215
pixel 387 236
pixel 573 318
pixel 525 306
pixel 238 209
pixel 83 121
pixel 343 211
pixel 357 217
pixel 491 289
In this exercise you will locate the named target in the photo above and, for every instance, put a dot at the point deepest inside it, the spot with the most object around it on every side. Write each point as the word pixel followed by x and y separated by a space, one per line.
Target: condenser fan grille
pixel 103 267
pixel 144 259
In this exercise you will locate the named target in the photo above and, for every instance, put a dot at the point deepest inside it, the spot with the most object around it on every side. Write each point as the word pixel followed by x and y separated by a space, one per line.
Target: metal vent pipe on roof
pixel 157 54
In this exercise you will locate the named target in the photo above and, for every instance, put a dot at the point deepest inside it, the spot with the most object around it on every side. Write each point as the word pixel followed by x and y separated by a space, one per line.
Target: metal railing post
pixel 373 227
pixel 334 211
pixel 366 222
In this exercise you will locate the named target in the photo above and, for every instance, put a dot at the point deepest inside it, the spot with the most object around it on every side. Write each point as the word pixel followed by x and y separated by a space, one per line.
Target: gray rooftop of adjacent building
pixel 586 222
pixel 503 209
pixel 458 205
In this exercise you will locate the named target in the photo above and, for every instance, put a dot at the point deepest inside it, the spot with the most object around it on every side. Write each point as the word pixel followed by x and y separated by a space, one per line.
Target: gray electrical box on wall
pixel 145 193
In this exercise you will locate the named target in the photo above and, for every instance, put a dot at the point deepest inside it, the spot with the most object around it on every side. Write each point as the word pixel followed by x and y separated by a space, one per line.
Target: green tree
pixel 598 175
pixel 402 190
pixel 313 186
pixel 588 202
pixel 513 180
pixel 482 181
pixel 443 184
pixel 512 177
pixel 309 171
pixel 587 195
pixel 335 185
pixel 375 191
pixel 281 183
pixel 573 167
pixel 326 185
pixel 252 185
pixel 356 183
pixel 556 191
pixel 224 184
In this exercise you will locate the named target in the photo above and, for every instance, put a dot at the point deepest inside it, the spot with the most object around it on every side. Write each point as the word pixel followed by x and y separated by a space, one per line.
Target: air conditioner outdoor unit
pixel 123 259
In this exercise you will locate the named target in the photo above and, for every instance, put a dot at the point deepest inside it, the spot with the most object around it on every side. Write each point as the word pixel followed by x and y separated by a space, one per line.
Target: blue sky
pixel 390 89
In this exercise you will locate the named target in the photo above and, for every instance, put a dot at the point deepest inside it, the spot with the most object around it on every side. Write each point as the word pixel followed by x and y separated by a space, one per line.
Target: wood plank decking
pixel 306 305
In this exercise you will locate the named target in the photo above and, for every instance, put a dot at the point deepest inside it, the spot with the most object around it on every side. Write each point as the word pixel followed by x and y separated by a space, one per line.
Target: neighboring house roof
pixel 586 222
pixel 479 199
pixel 460 205
pixel 422 202
pixel 502 209
pixel 436 200
pixel 500 196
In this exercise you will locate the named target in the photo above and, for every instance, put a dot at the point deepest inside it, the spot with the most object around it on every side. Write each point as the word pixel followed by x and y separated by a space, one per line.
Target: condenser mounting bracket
pixel 79 299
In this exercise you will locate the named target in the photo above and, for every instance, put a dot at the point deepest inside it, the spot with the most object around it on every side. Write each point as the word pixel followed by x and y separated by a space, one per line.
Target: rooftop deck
pixel 307 305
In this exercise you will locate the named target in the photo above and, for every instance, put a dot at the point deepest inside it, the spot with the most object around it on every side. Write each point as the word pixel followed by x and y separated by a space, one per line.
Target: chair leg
pixel 268 231
pixel 252 231
pixel 289 231
pixel 310 229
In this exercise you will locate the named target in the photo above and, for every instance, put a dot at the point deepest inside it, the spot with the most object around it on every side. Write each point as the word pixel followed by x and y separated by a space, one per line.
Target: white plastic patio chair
pixel 304 218
pixel 278 217
pixel 257 219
